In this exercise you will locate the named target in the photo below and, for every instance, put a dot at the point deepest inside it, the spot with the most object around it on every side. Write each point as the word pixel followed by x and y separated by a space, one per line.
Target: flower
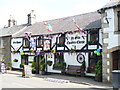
pixel 91 69
pixel 59 65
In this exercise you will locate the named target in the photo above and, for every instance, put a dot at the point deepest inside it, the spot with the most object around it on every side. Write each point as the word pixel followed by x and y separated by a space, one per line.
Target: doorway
pixel 38 59
pixel 116 60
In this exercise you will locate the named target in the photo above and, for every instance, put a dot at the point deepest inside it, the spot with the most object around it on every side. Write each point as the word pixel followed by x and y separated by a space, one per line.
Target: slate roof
pixel 85 21
pixel 11 30
pixel 110 4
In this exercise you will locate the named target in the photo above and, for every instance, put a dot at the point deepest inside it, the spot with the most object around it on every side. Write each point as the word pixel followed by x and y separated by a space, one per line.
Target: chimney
pixel 31 17
pixel 11 22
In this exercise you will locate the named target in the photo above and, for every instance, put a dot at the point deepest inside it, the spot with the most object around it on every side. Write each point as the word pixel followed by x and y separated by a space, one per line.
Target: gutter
pixel 102 10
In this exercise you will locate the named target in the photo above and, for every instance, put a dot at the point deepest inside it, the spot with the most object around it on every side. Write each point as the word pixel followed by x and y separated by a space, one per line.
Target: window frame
pixel 26 41
pixel 62 39
pixel 118 16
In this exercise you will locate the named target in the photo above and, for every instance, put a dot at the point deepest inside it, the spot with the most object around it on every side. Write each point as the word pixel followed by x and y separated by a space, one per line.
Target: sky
pixel 45 9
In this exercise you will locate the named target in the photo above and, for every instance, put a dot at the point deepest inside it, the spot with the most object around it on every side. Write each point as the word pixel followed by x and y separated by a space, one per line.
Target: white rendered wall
pixel 113 38
pixel 16 44
pixel 18 57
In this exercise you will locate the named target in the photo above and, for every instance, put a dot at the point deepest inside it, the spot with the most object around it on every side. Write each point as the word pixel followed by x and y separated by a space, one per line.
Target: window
pixel 27 42
pixel 59 63
pixel 92 59
pixel 40 42
pixel 118 20
pixel 47 44
pixel 62 39
pixel 24 60
pixel 1 43
pixel 93 37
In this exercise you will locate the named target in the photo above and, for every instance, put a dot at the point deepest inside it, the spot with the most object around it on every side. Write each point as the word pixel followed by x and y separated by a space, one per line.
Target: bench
pixel 73 70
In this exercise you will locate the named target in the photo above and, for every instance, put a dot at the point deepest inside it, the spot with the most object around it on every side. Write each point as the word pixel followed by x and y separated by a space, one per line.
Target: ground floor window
pixel 92 61
pixel 59 63
pixel 24 60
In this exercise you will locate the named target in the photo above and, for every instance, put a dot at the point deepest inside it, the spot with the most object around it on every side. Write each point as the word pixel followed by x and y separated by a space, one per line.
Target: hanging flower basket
pixel 14 52
pixel 53 51
pixel 15 60
pixel 72 51
pixel 49 62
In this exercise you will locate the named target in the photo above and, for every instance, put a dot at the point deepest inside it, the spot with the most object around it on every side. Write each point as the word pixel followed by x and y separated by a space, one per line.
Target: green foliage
pixel 83 66
pixel 72 51
pixel 91 69
pixel 34 65
pixel 14 51
pixel 9 64
pixel 15 60
pixel 39 45
pixel 61 65
pixel 42 64
pixel 98 69
pixel 32 51
pixel 49 62
pixel 25 46
pixel 53 51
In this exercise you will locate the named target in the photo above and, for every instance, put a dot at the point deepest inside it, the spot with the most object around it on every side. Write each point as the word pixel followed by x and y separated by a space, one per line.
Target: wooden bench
pixel 73 70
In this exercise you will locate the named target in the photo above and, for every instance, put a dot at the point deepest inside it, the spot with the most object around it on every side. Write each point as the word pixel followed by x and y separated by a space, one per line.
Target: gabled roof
pixel 11 30
pixel 110 4
pixel 85 21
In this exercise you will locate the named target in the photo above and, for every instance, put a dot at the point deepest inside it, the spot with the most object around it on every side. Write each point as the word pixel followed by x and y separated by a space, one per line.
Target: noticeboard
pixel 28 71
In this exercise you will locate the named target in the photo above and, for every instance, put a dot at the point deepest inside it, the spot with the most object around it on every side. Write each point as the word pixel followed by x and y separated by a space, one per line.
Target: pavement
pixel 67 78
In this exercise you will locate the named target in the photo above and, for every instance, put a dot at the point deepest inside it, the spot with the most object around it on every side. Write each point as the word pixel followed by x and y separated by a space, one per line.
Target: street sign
pixel 28 71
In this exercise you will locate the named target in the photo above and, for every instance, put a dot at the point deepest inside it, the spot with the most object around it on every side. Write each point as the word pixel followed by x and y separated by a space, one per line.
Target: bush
pixel 83 66
pixel 34 65
pixel 98 69
pixel 42 64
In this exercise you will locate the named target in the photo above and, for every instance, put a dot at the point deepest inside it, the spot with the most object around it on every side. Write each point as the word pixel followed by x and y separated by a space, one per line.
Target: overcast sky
pixel 45 9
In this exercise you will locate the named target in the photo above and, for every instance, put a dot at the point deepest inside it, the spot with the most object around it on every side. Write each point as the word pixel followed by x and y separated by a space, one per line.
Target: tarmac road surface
pixel 16 81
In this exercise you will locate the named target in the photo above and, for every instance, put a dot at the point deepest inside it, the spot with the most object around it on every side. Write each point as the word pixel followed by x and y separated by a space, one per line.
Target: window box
pixel 26 46
pixel 39 46
pixel 32 51
pixel 60 44
pixel 59 66
pixel 14 51
pixel 92 42
pixel 72 51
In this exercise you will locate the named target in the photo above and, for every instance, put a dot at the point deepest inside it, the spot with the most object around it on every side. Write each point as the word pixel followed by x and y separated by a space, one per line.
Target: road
pixel 16 81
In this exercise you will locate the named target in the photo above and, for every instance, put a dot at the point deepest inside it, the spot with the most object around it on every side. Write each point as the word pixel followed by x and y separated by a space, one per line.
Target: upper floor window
pixel 62 39
pixel 40 43
pixel 26 43
pixel 1 43
pixel 93 37
pixel 118 20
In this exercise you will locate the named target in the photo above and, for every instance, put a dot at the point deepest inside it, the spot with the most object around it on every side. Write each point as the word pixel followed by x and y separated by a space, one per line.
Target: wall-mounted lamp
pixel 106 20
